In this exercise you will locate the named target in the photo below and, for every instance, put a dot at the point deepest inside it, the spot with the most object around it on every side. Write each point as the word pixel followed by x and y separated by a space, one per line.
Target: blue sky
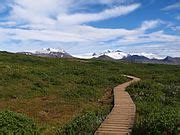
pixel 81 26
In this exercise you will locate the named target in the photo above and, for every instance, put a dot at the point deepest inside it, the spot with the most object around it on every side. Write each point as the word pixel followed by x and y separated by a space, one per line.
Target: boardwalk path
pixel 121 118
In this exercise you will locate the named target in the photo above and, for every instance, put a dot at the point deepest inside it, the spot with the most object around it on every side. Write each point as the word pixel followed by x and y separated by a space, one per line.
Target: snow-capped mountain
pixel 117 55
pixel 86 56
pixel 49 52
pixel 112 54
pixel 107 55
pixel 148 55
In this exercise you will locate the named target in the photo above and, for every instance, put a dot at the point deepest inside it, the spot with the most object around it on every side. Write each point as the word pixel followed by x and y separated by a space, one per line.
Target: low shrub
pixel 157 108
pixel 82 125
pixel 156 121
pixel 12 123
pixel 82 92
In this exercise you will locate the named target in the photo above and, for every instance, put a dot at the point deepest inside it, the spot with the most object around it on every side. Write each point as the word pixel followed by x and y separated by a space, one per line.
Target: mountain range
pixel 108 55
pixel 49 52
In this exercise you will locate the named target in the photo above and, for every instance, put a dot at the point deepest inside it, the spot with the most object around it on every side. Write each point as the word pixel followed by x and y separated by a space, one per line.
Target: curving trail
pixel 121 118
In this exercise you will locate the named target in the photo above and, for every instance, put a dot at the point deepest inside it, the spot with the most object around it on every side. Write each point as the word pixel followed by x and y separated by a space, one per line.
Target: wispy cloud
pixel 34 12
pixel 172 7
pixel 45 21
pixel 74 34
pixel 41 35
pixel 150 24
pixel 106 14
pixel 9 23
pixel 92 37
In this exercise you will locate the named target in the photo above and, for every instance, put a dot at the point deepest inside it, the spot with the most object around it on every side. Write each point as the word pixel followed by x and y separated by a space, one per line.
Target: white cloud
pixel 38 21
pixel 154 37
pixel 176 28
pixel 46 11
pixel 61 23
pixel 106 14
pixel 93 36
pixel 160 49
pixel 10 23
pixel 105 2
pixel 20 13
pixel 172 7
pixel 44 7
pixel 150 24
pixel 41 35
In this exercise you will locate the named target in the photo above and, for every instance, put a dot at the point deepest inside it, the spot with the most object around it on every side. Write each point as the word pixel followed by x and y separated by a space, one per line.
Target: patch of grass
pixel 17 124
pixel 84 124
pixel 82 92
pixel 157 108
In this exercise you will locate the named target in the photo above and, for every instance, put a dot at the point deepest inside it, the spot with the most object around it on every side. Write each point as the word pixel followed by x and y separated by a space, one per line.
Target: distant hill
pixel 136 58
pixel 143 59
pixel 104 57
pixel 172 60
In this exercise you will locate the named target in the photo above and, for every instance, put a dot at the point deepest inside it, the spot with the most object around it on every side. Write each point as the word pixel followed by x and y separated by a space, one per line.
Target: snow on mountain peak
pixel 50 50
pixel 148 55
pixel 117 54
pixel 113 54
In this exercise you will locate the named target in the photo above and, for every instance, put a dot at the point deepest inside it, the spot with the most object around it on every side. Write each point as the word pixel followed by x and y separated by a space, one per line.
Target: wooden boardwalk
pixel 121 118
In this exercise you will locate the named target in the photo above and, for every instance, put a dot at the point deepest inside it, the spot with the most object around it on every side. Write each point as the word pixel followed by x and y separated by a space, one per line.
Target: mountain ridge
pixel 109 55
pixel 49 52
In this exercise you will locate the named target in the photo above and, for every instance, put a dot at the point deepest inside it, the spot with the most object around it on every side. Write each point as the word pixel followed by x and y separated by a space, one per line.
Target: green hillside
pixel 69 96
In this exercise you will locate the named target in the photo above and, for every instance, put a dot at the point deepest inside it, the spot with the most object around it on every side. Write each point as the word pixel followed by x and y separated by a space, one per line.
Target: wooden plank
pixel 121 118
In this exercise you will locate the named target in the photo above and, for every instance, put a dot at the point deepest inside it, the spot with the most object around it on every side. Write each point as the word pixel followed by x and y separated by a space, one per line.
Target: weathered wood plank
pixel 121 118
